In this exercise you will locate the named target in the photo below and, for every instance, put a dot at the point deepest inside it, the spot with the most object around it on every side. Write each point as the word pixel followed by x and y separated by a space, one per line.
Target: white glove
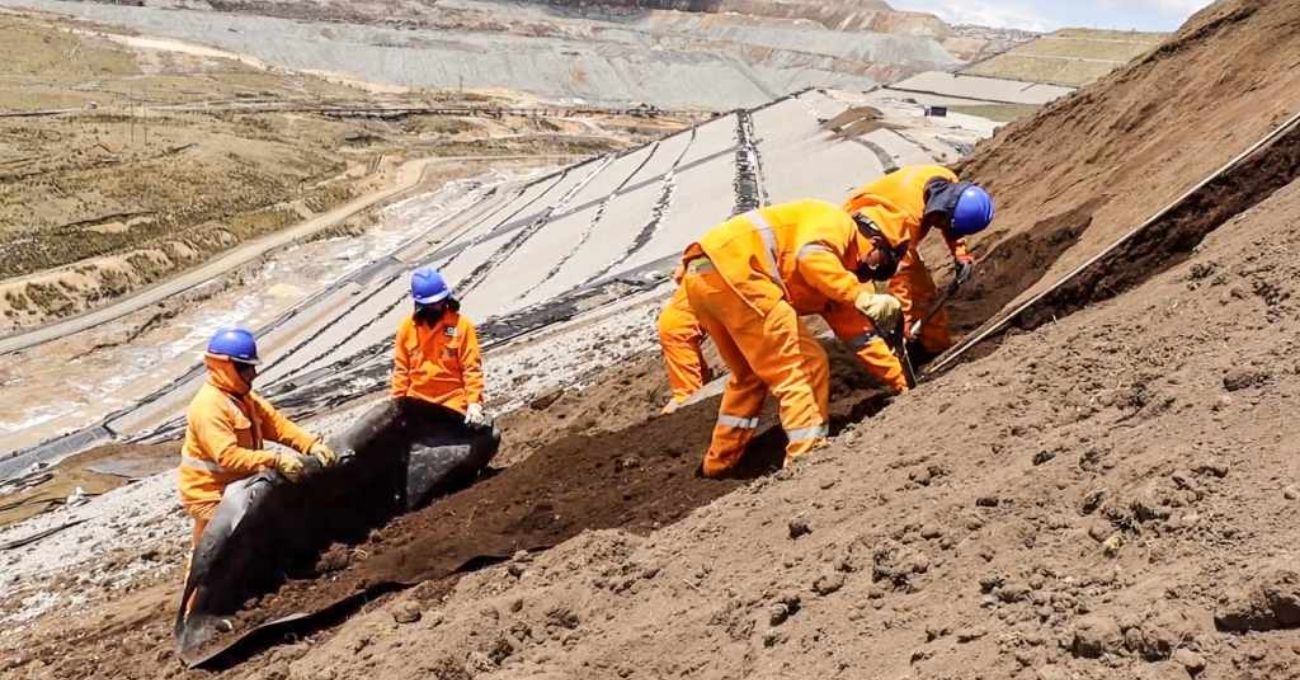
pixel 883 310
pixel 475 417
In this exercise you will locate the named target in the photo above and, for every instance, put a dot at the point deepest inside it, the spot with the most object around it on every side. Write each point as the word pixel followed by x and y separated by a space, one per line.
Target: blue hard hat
pixel 428 286
pixel 235 344
pixel 973 212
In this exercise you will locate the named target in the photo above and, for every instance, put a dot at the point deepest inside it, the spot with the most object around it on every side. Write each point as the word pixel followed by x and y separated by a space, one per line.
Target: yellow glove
pixel 883 310
pixel 322 452
pixel 290 465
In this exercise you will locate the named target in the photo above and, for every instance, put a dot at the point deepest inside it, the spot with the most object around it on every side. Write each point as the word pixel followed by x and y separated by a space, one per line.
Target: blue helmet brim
pixel 433 299
pixel 239 360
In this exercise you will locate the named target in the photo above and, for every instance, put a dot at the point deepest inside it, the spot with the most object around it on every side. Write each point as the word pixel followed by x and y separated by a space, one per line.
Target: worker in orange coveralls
pixel 680 339
pixel 436 356
pixel 227 426
pixel 929 197
pixel 750 278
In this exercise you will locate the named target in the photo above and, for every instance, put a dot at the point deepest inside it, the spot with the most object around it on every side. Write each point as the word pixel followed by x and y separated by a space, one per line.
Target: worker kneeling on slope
pixel 680 340
pixel 436 356
pixel 227 426
pixel 928 197
pixel 750 278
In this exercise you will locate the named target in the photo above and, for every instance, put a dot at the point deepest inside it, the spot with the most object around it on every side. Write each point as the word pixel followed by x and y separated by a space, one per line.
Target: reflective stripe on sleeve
pixel 764 229
pixel 738 422
pixel 814 248
pixel 858 343
pixel 806 433
pixel 191 462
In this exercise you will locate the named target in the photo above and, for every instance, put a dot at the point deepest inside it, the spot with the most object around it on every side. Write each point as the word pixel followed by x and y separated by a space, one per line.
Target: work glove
pixel 322 452
pixel 475 417
pixel 883 310
pixel 291 465
pixel 965 265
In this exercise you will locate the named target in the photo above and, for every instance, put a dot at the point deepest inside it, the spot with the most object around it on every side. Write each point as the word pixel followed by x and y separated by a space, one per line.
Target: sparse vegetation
pixel 1002 113
pixel 148 169
pixel 1071 57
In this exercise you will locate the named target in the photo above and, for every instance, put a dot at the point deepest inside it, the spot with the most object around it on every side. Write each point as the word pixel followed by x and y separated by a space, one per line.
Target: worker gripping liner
pixel 398 457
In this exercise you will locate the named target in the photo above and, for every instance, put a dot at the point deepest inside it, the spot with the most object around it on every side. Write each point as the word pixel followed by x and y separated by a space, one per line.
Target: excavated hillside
pixel 135 159
pixel 591 53
pixel 1098 162
pixel 1111 495
pixel 850 15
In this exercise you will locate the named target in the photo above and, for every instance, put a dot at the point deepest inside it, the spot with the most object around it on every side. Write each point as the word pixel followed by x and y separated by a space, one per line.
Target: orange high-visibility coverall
pixel 904 189
pixel 746 279
pixel 226 427
pixel 441 364
pixel 680 336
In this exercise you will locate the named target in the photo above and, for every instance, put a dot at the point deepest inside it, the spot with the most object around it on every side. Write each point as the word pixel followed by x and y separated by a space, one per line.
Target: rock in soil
pixel 828 583
pixel 1097 635
pixel 1191 662
pixel 406 612
pixel 1243 378
pixel 1269 603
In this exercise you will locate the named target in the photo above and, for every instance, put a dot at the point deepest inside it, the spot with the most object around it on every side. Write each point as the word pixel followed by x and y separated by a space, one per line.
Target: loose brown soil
pixel 1126 146
pixel 1108 496
pixel 637 478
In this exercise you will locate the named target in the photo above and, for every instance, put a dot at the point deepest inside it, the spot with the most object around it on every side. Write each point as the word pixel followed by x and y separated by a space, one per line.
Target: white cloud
pixel 1046 15
pixel 1179 8
pixel 1170 9
pixel 998 13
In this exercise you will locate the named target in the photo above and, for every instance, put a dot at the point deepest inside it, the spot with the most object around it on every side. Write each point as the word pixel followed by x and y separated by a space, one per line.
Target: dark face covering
pixel 430 315
pixel 882 262
pixel 247 372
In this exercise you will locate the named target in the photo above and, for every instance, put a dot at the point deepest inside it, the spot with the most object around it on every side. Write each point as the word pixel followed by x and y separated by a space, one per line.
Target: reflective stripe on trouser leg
pixel 789 361
pixel 804 439
pixel 742 399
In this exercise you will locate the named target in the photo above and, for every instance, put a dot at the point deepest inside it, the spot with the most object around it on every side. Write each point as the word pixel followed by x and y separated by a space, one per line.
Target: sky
pixel 1046 15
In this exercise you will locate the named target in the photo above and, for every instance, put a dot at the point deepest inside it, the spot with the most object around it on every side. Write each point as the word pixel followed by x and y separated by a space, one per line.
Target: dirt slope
pixel 1082 504
pixel 1099 162
pixel 1109 496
